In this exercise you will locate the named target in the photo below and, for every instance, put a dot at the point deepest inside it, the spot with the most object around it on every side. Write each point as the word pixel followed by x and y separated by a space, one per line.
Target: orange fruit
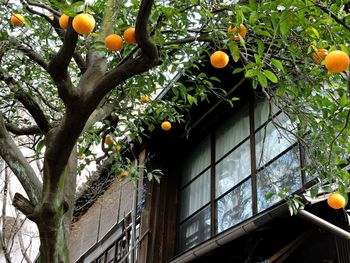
pixel 166 126
pixel 144 99
pixel 336 201
pixel 337 61
pixel 318 56
pixel 241 34
pixel 84 23
pixel 109 140
pixel 114 42
pixel 123 174
pixel 129 35
pixel 17 20
pixel 63 21
pixel 219 59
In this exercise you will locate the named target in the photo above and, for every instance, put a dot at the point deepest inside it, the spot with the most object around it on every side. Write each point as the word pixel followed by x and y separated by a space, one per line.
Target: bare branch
pixel 28 102
pixel 43 6
pixel 189 40
pixel 30 53
pixel 24 205
pixel 19 165
pixel 322 7
pixel 31 130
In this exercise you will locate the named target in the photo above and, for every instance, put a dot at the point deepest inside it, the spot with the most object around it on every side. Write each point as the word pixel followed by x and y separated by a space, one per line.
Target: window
pixel 120 251
pixel 220 173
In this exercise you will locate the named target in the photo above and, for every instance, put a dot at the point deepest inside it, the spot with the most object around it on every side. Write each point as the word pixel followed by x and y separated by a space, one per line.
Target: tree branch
pixel 31 130
pixel 43 6
pixel 19 165
pixel 30 53
pixel 58 67
pixel 321 6
pixel 28 102
pixel 24 205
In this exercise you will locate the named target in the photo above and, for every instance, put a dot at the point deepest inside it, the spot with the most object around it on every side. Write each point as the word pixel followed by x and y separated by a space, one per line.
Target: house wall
pixel 107 211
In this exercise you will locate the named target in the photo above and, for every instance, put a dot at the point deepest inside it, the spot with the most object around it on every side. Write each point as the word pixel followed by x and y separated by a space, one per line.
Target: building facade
pixel 220 199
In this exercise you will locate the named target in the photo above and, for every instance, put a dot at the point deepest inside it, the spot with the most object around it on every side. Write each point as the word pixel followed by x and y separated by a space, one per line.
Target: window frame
pixel 254 170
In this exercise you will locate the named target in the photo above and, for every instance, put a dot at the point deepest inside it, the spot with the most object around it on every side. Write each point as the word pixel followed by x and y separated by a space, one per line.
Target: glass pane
pixel 271 141
pixel 196 161
pixel 111 254
pixel 233 169
pixel 195 230
pixel 101 259
pixel 195 195
pixel 284 173
pixel 261 112
pixel 232 132
pixel 234 207
pixel 121 248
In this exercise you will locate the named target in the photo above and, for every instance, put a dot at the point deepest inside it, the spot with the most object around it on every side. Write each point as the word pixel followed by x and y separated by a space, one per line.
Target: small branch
pixel 30 53
pixel 19 165
pixel 31 130
pixel 24 205
pixel 28 102
pixel 188 40
pixel 320 5
pixel 43 6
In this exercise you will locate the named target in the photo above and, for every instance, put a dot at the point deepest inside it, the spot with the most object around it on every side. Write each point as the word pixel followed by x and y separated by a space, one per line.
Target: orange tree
pixel 65 92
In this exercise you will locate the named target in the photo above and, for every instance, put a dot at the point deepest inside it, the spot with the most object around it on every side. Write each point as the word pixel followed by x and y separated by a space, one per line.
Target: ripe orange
pixel 166 126
pixel 63 21
pixel 336 201
pixel 114 42
pixel 144 99
pixel 219 59
pixel 123 174
pixel 129 35
pixel 337 61
pixel 318 56
pixel 17 20
pixel 242 32
pixel 83 23
pixel 109 140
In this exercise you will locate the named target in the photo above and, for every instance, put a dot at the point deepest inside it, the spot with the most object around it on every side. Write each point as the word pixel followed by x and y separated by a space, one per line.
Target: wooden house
pixel 212 205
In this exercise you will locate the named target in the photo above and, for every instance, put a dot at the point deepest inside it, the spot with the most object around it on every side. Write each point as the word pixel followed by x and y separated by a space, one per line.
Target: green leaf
pixel 251 73
pixel 234 50
pixel 40 145
pixel 261 47
pixel 262 79
pixel 73 9
pixel 271 76
pixel 277 64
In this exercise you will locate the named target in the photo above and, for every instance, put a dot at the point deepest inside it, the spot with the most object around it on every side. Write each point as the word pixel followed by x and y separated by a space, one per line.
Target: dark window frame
pixel 253 174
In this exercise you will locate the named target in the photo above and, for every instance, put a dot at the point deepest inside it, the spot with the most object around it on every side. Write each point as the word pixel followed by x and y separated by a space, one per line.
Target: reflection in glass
pixel 232 132
pixel 195 230
pixel 233 169
pixel 271 141
pixel 284 173
pixel 195 195
pixel 261 112
pixel 234 207
pixel 196 161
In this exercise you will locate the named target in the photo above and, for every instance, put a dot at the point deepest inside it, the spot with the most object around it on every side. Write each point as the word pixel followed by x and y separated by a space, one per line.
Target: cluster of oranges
pixel 335 61
pixel 219 59
pixel 85 24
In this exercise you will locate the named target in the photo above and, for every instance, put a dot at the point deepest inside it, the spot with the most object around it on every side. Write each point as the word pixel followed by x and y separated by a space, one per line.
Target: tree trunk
pixel 55 216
